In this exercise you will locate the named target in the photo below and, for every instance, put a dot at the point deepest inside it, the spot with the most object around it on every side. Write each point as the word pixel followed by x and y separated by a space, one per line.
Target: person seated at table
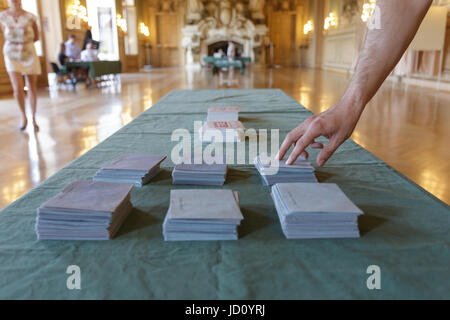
pixel 90 54
pixel 62 58
pixel 73 50
pixel 219 54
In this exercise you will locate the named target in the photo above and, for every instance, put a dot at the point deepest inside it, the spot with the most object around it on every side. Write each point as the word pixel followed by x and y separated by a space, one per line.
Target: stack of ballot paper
pixel 202 215
pixel 226 131
pixel 273 172
pixel 200 174
pixel 223 113
pixel 84 210
pixel 315 210
pixel 135 169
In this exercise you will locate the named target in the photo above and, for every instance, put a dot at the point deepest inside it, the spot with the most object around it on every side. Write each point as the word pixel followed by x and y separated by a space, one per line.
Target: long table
pixel 211 59
pixel 97 68
pixel 225 62
pixel 405 230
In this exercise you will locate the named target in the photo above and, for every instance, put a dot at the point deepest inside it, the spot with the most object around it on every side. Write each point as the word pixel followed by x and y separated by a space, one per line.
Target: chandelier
pixel 368 8
pixel 330 21
pixel 307 27
pixel 121 23
pixel 143 29
pixel 77 10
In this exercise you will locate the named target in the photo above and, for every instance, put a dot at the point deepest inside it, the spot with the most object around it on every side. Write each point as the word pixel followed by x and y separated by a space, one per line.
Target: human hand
pixel 336 124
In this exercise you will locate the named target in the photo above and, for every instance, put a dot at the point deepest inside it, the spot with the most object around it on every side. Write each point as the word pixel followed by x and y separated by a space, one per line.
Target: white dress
pixel 89 55
pixel 19 51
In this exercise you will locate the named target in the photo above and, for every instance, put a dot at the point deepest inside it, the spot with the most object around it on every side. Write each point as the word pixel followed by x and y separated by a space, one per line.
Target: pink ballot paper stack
pixel 223 113
pixel 222 125
pixel 227 131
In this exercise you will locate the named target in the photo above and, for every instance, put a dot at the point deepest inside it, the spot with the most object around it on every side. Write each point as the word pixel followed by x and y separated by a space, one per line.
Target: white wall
pixel 339 50
pixel 341 45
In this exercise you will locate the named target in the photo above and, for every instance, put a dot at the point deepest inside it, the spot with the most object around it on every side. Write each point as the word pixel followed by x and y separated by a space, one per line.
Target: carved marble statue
pixel 256 8
pixel 225 12
pixel 194 10
pixel 238 20
pixel 194 6
pixel 349 9
pixel 223 20
pixel 211 9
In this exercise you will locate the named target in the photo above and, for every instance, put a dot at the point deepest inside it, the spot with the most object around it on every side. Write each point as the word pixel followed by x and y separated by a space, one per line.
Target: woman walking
pixel 20 32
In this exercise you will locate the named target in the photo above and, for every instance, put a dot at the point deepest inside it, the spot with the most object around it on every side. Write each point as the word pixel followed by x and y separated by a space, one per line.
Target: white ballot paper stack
pixel 196 215
pixel 223 113
pixel 229 131
pixel 315 210
pixel 84 210
pixel 300 171
pixel 200 174
pixel 136 169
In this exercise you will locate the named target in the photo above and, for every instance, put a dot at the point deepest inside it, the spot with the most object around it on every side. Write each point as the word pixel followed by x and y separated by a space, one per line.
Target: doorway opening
pixel 102 19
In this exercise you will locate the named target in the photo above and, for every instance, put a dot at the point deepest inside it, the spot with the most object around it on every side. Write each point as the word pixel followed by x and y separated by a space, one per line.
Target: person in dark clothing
pixel 62 58
pixel 88 39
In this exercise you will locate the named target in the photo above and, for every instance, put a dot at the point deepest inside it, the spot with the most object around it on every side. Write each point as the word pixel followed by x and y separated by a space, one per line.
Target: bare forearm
pixel 36 32
pixel 383 48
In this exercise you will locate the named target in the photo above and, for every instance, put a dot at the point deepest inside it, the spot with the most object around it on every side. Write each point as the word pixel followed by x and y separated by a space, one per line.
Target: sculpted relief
pixel 210 21
pixel 194 10
pixel 224 10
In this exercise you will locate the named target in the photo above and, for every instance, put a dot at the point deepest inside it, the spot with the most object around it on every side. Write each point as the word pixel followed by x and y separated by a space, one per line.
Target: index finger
pixel 290 139
pixel 308 138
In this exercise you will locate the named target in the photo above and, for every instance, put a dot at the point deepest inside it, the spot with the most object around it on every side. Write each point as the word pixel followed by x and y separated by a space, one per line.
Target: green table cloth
pixel 405 230
pixel 211 59
pixel 97 68
pixel 229 64
pixel 225 62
